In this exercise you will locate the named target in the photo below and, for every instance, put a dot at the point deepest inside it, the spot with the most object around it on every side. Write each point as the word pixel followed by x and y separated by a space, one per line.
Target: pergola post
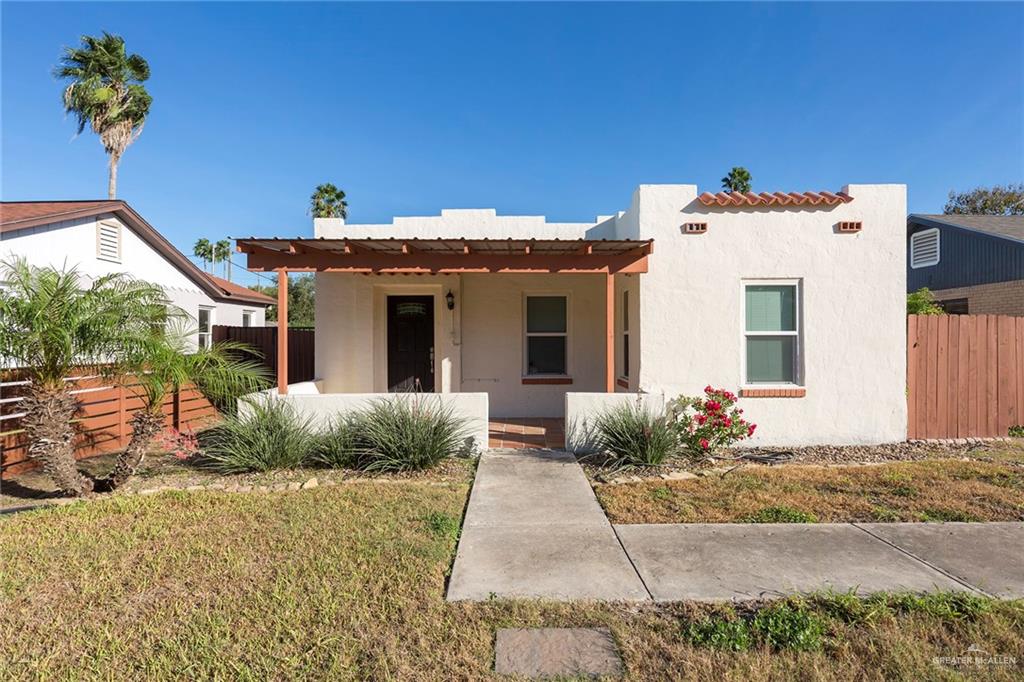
pixel 609 333
pixel 282 331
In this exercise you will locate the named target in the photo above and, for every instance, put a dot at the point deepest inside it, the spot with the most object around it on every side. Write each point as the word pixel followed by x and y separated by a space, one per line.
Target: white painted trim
pixel 798 353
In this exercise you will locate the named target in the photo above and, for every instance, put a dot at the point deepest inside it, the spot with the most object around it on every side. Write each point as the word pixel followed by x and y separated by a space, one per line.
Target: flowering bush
pixel 181 444
pixel 709 422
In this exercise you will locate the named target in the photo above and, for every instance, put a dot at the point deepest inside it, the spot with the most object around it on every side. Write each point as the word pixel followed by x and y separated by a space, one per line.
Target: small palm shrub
pixel 270 435
pixel 709 422
pixel 631 435
pixel 406 435
pixel 339 445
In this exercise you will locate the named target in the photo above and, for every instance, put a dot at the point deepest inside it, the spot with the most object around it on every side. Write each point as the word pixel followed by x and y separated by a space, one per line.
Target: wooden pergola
pixel 395 256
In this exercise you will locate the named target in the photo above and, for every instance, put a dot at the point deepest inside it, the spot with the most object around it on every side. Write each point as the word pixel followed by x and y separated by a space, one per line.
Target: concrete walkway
pixel 533 528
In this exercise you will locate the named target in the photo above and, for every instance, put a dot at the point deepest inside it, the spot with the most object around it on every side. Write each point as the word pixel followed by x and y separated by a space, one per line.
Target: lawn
pixel 932 490
pixel 347 582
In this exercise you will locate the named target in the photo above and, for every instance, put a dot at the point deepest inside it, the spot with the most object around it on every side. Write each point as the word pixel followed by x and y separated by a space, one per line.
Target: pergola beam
pixel 423 262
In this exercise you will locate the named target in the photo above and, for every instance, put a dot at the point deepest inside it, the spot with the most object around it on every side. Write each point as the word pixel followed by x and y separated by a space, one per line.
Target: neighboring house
pixel 794 300
pixel 101 237
pixel 974 264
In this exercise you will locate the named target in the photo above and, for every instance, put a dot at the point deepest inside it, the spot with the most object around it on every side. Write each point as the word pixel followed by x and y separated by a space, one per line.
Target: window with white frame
pixel 547 335
pixel 205 319
pixel 108 241
pixel 246 318
pixel 771 332
pixel 924 248
pixel 625 334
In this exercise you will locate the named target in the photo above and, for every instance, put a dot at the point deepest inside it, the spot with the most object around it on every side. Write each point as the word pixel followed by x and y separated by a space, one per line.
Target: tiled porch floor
pixel 527 432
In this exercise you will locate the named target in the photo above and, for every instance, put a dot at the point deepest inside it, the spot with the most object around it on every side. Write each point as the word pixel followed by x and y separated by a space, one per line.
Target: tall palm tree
pixel 203 250
pixel 738 180
pixel 328 202
pixel 164 363
pixel 222 253
pixel 52 326
pixel 105 92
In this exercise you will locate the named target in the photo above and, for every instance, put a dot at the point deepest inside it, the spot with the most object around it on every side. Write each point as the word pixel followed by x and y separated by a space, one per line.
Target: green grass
pixel 347 582
pixel 779 514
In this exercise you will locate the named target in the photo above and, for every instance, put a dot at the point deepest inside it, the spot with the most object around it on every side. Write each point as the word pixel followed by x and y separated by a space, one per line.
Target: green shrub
pixel 631 435
pixel 705 424
pixel 719 633
pixel 442 525
pixel 948 606
pixel 340 445
pixel 408 434
pixel 779 514
pixel 1016 431
pixel 788 625
pixel 269 435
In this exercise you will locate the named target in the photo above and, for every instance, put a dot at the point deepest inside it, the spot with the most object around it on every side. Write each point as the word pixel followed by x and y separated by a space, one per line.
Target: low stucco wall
pixel 323 407
pixel 582 408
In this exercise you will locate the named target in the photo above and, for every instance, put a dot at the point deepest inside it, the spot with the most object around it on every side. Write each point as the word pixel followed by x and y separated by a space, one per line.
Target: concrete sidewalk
pixel 534 528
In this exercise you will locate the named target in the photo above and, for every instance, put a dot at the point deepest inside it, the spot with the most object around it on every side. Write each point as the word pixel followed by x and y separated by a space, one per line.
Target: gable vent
pixel 108 241
pixel 850 226
pixel 924 248
pixel 695 228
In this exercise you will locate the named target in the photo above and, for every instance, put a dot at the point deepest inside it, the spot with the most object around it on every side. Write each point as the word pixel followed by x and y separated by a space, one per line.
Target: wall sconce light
pixel 450 299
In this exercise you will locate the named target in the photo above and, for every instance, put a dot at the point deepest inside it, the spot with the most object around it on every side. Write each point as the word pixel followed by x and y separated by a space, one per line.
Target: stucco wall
pixel 853 308
pixel 493 340
pixel 73 243
pixel 321 409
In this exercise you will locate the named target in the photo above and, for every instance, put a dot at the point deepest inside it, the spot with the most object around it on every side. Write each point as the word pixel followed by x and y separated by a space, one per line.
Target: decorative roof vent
pixel 850 226
pixel 695 228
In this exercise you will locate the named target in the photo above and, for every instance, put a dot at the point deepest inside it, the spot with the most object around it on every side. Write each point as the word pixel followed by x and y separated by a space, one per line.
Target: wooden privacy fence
pixel 965 375
pixel 264 340
pixel 103 421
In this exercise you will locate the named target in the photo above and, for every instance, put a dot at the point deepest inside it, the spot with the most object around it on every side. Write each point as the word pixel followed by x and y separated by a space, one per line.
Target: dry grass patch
pixel 934 490
pixel 347 583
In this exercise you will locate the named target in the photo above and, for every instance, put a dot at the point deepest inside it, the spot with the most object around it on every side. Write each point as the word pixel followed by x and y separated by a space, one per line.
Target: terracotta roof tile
pixel 774 198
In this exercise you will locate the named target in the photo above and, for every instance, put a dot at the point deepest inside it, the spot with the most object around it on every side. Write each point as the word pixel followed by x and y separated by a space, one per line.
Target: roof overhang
pixel 443 256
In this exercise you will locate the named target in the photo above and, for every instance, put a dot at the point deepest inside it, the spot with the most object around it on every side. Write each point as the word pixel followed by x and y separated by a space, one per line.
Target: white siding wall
pixel 73 243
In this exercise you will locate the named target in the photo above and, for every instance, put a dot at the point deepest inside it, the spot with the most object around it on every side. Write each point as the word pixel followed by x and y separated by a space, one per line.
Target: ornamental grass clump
pixel 408 434
pixel 708 423
pixel 631 435
pixel 268 435
pixel 340 445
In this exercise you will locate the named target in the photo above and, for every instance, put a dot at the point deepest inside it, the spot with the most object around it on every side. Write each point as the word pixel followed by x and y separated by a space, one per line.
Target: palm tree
pixel 53 327
pixel 738 180
pixel 105 93
pixel 222 252
pixel 328 202
pixel 203 250
pixel 164 363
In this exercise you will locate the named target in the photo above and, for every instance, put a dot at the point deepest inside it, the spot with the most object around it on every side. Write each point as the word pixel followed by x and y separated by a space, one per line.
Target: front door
pixel 411 343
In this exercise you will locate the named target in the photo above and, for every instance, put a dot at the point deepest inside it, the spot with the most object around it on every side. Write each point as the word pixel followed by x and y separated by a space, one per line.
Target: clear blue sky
pixel 557 109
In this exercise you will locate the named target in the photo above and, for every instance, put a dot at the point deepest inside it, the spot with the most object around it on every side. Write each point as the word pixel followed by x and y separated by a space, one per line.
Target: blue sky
pixel 555 109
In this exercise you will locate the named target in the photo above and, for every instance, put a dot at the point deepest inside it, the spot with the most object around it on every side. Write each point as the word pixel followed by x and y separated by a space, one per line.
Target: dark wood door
pixel 411 343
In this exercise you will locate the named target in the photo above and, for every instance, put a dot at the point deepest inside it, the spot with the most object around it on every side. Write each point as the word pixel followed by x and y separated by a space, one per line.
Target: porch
pixel 523 320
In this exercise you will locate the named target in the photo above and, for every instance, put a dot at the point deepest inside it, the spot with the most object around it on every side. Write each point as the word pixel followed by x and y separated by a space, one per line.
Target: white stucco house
pixel 795 301
pixel 101 237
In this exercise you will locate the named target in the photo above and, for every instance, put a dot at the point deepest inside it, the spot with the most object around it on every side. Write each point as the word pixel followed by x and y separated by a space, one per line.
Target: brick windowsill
pixel 773 392
pixel 547 380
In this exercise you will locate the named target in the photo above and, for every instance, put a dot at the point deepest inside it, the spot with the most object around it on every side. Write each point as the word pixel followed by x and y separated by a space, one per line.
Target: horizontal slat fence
pixel 965 375
pixel 264 339
pixel 103 421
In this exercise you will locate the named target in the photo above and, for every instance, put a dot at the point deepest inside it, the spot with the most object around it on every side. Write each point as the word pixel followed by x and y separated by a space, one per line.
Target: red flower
pixel 713 406
pixel 704 443
pixel 750 430
pixel 701 419
pixel 727 422
pixel 708 389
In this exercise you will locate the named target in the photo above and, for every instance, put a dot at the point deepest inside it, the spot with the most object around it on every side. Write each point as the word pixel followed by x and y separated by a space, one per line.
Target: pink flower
pixel 704 443
pixel 701 418
pixel 750 430
pixel 713 406
pixel 726 422
pixel 708 389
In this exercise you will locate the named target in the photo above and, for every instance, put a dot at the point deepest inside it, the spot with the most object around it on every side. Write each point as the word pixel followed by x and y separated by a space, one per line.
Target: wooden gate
pixel 965 375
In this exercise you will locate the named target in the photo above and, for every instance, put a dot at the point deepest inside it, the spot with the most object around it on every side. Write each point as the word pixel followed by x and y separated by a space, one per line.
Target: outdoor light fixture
pixel 450 298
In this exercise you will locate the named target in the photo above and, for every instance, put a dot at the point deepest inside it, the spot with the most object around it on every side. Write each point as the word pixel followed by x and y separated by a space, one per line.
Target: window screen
pixel 771 333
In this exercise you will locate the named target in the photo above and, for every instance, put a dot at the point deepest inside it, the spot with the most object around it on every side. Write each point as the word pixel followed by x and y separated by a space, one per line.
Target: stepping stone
pixel 556 652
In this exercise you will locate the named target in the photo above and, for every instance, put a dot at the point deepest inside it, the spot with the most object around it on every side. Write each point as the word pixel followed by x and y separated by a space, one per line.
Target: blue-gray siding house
pixel 972 263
